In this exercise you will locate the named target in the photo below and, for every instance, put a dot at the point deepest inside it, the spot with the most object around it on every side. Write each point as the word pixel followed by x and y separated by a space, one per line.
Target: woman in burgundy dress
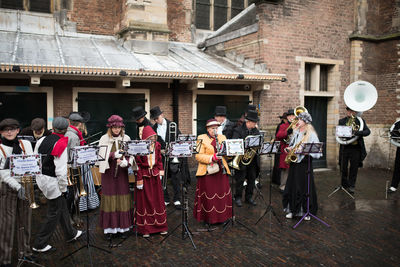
pixel 213 200
pixel 150 216
pixel 116 209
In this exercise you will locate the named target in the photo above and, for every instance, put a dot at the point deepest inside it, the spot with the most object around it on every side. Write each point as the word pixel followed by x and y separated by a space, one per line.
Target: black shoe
pixel 30 258
pixel 251 202
pixel 123 235
pixel 238 202
pixel 108 237
pixel 351 189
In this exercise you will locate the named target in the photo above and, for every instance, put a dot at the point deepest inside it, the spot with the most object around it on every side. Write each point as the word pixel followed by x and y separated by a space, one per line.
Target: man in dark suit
pixel 141 121
pixel 176 171
pixel 226 126
pixel 354 152
pixel 395 134
pixel 248 172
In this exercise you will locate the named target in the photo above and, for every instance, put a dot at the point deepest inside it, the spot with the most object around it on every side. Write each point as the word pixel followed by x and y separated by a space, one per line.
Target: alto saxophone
pixel 291 155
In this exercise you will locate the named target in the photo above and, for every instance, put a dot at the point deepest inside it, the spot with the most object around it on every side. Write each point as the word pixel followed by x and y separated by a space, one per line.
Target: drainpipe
pixel 175 101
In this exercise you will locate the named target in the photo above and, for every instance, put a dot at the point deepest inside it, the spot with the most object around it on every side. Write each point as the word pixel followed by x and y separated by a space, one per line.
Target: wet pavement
pixel 363 232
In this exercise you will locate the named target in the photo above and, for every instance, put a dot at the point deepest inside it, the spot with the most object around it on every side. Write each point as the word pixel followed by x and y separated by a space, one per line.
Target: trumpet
pixel 28 184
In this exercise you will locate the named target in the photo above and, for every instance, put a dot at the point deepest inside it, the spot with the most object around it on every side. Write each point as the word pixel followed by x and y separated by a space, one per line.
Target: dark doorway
pixel 102 105
pixel 235 105
pixel 317 107
pixel 23 107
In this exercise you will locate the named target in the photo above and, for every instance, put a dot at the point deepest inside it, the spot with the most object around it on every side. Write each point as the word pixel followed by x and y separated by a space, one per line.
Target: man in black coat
pixel 395 134
pixel 141 121
pixel 354 152
pixel 248 172
pixel 226 126
pixel 176 171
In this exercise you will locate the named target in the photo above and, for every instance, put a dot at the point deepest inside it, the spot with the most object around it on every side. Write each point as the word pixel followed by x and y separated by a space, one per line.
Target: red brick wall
pixel 180 30
pixel 380 17
pixel 62 95
pixel 97 16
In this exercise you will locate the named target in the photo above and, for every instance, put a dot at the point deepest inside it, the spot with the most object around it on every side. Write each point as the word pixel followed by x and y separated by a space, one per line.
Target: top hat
pixel 251 107
pixel 155 112
pixel 138 113
pixel 284 115
pixel 220 111
pixel 252 115
pixel 290 112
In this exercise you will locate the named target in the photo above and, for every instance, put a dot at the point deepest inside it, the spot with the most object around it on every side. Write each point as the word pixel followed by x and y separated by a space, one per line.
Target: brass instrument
pixel 291 155
pixel 245 159
pixel 394 134
pixel 352 122
pixel 172 134
pixel 27 182
pixel 297 111
pixel 219 150
pixel 73 180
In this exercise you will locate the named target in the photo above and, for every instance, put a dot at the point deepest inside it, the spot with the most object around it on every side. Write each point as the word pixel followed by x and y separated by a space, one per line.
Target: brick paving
pixel 363 232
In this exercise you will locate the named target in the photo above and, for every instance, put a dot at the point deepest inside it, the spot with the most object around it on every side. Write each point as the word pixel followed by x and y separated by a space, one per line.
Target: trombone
pixel 172 134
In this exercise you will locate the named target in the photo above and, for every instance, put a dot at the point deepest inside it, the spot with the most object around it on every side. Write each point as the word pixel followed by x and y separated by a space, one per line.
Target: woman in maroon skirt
pixel 116 214
pixel 150 216
pixel 213 200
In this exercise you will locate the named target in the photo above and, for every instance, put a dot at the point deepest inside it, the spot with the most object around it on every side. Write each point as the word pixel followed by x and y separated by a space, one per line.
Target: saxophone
pixel 291 155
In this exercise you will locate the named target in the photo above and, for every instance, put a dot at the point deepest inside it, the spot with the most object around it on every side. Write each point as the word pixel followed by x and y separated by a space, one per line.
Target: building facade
pixel 189 55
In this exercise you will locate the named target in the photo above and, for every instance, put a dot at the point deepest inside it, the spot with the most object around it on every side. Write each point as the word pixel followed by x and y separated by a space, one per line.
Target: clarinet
pixel 219 150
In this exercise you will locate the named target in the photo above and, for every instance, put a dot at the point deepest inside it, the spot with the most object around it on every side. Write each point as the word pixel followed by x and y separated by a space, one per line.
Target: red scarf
pixel 82 141
pixel 60 146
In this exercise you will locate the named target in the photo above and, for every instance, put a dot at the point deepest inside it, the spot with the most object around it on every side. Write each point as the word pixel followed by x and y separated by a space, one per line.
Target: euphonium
pixel 248 156
pixel 27 181
pixel 235 162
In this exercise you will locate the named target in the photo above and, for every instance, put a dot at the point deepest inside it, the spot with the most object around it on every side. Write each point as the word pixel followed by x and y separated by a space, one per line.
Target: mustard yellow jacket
pixel 206 153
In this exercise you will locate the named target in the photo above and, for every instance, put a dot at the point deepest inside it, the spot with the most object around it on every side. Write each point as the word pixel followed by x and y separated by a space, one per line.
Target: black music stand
pixel 231 221
pixel 184 202
pixel 308 148
pixel 270 149
pixel 88 245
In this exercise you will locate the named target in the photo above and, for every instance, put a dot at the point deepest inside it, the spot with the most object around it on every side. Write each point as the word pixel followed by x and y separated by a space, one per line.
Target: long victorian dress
pixel 213 197
pixel 116 207
pixel 150 214
pixel 295 193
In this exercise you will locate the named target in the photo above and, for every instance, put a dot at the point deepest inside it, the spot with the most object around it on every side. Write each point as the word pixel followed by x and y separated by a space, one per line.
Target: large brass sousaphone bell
pixel 359 96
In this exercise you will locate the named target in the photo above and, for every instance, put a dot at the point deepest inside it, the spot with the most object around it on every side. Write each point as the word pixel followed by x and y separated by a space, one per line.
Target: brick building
pixel 244 50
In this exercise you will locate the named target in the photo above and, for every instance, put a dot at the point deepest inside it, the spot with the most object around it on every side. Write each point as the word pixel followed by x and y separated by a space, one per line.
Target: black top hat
pixel 290 112
pixel 284 115
pixel 251 107
pixel 220 111
pixel 138 113
pixel 155 112
pixel 252 115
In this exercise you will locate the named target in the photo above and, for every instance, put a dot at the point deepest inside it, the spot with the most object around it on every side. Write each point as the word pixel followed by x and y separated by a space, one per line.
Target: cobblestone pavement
pixel 363 232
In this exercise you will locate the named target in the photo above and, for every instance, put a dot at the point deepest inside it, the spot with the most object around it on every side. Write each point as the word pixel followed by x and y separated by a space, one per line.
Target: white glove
pixel 123 163
pixel 140 187
pixel 117 155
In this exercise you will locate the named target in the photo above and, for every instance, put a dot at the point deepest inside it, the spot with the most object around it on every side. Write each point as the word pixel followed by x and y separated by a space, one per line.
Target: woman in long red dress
pixel 150 216
pixel 213 200
pixel 116 211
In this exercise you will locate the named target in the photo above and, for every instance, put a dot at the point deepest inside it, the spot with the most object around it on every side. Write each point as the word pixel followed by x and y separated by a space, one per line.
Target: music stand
pixel 308 148
pixel 88 163
pixel 269 149
pixel 231 221
pixel 184 200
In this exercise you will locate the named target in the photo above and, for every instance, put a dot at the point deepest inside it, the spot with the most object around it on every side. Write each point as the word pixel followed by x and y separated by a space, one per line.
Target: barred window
pixel 30 5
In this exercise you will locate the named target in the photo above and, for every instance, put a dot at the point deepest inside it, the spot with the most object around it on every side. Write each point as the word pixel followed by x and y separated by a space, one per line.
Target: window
pixel 212 14
pixel 28 5
pixel 316 77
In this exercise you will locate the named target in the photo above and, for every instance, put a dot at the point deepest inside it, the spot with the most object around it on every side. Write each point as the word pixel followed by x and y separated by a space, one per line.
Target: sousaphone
pixel 359 96
pixel 395 133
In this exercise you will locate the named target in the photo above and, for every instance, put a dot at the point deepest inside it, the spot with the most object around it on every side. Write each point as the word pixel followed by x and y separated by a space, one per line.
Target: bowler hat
pixel 220 111
pixel 138 112
pixel 252 115
pixel 155 112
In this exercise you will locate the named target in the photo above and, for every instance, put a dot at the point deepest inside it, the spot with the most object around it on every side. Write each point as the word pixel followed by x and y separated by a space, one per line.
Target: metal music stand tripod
pixel 307 149
pixel 88 245
pixel 185 206
pixel 340 187
pixel 269 149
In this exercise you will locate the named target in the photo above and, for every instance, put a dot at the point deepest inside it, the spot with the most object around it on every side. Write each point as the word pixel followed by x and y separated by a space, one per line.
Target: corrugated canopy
pixel 53 51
